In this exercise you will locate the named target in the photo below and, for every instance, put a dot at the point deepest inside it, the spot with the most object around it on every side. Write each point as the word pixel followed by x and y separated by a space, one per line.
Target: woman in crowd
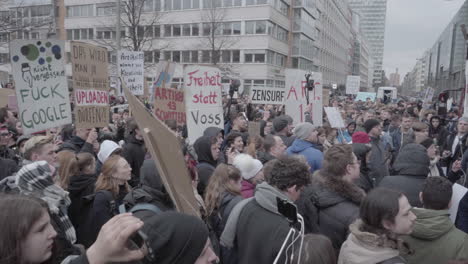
pixel 207 149
pixel 421 131
pixel 29 236
pixel 384 215
pixel 345 137
pixel 251 171
pixel 234 143
pixel 437 131
pixel 68 168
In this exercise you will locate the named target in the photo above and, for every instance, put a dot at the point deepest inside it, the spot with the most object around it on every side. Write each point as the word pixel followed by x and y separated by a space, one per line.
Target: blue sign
pixel 362 96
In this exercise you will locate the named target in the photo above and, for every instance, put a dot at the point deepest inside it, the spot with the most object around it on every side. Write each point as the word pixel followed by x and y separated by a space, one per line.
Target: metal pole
pixel 117 27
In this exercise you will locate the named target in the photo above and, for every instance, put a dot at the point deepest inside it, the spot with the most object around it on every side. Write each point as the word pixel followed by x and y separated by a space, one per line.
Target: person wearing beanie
pixel 378 159
pixel 306 144
pixel 176 238
pixel 361 137
pixel 107 149
pixel 282 127
pixel 251 171
pixel 362 152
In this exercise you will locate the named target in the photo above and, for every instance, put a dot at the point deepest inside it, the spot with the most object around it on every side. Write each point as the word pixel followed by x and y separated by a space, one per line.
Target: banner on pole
pixel 267 95
pixel 334 117
pixel 203 99
pixel 90 85
pixel 41 84
pixel 353 83
pixel 130 67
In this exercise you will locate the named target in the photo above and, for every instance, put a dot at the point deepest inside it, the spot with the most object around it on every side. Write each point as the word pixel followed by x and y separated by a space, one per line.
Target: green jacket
pixel 435 239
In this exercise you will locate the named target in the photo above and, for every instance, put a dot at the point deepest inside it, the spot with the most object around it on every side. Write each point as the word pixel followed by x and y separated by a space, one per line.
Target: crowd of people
pixel 376 191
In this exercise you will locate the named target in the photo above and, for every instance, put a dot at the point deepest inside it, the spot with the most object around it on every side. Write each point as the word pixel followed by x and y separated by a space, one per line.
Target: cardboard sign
pixel 326 97
pixel 164 73
pixel 353 83
pixel 130 66
pixel 202 99
pixel 334 117
pixel 166 152
pixel 41 84
pixel 254 128
pixel 169 104
pixel 296 90
pixel 266 95
pixel 458 192
pixel 90 85
pixel 5 96
pixel 362 96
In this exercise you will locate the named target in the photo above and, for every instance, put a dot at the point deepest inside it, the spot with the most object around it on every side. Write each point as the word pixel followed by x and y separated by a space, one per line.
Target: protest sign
pixel 362 96
pixel 165 149
pixel 90 85
pixel 267 95
pixel 164 73
pixel 296 90
pixel 353 84
pixel 334 117
pixel 458 192
pixel 169 104
pixel 202 99
pixel 428 95
pixel 4 96
pixel 130 67
pixel 41 84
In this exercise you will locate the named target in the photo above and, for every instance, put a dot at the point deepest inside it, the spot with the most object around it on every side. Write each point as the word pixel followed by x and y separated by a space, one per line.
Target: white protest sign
pixel 449 103
pixel 203 99
pixel 428 95
pixel 41 84
pixel 267 95
pixel 458 192
pixel 296 102
pixel 164 73
pixel 130 66
pixel 352 84
pixel 363 96
pixel 334 117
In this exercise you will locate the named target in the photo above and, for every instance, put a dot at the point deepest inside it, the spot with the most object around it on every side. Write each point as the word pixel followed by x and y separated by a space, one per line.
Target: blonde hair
pixel 220 182
pixel 68 167
pixel 35 144
pixel 106 181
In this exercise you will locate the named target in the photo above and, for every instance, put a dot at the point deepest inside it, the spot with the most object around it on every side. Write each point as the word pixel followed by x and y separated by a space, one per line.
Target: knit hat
pixel 22 138
pixel 248 166
pixel 280 123
pixel 107 148
pixel 427 142
pixel 175 238
pixel 370 124
pixel 360 137
pixel 303 130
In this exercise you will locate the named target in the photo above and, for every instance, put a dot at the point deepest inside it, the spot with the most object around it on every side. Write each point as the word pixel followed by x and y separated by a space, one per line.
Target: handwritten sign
pixel 296 92
pixel 334 117
pixel 202 99
pixel 41 84
pixel 428 95
pixel 352 84
pixel 164 73
pixel 90 85
pixel 362 96
pixel 130 66
pixel 267 95
pixel 169 104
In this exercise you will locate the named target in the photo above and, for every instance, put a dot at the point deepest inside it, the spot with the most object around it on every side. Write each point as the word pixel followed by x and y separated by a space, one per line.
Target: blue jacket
pixel 309 151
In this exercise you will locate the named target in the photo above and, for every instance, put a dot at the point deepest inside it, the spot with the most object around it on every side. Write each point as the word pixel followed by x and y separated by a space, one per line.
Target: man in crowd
pixel 134 150
pixel 306 144
pixel 282 127
pixel 404 135
pixel 82 141
pixel 456 143
pixel 273 148
pixel 5 151
pixel 378 161
pixel 240 125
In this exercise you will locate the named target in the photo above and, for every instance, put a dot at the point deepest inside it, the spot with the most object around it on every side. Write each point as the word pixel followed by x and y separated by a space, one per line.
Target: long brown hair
pixel 84 159
pixel 317 249
pixel 67 169
pixel 105 180
pixel 220 182
pixel 19 213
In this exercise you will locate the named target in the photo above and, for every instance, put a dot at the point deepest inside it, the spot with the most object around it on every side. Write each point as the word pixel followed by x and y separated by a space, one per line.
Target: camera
pixel 310 83
pixel 234 87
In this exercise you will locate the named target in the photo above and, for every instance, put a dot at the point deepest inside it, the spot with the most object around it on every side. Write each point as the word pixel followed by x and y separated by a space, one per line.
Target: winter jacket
pixel 460 148
pixel 134 152
pixel 368 248
pixel 288 141
pixel 337 203
pixel 435 239
pixel 206 163
pixel 255 229
pixel 440 133
pixel 8 168
pixel 378 168
pixel 309 150
pixel 264 157
pixel 399 140
pixel 462 215
pixel 220 216
pixel 365 181
pixel 79 187
pixel 151 189
pixel 77 145
pixel 248 189
pixel 412 168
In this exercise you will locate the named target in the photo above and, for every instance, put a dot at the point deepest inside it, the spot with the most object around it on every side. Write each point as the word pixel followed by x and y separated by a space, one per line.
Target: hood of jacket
pixel 131 139
pixel 81 182
pixel 300 145
pixel 431 224
pixel 212 132
pixel 265 195
pixel 149 175
pixel 412 160
pixel 329 191
pixel 203 148
pixel 106 149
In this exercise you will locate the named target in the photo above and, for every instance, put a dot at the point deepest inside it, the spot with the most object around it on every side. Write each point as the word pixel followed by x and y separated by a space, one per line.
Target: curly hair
pixel 288 171
pixel 220 182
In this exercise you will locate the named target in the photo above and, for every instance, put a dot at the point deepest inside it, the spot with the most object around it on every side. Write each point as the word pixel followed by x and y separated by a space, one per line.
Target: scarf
pixel 35 179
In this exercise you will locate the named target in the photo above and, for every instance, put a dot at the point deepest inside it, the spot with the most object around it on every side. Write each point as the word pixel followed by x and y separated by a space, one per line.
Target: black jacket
pixel 264 157
pixel 79 187
pixel 77 145
pixel 412 168
pixel 440 133
pixel 462 215
pixel 461 147
pixel 337 204
pixel 134 152
pixel 206 163
pixel 8 168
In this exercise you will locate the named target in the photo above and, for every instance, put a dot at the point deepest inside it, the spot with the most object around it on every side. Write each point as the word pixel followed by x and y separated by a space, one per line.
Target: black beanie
pixel 370 124
pixel 175 238
pixel 427 142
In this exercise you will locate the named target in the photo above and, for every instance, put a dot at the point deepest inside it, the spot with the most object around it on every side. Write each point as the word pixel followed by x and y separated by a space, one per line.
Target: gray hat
pixel 464 119
pixel 303 130
pixel 280 123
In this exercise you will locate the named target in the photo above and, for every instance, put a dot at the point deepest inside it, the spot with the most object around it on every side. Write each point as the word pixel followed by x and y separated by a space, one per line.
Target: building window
pixel 195 30
pixel 167 31
pixel 255 27
pixel 108 9
pixel 206 58
pixel 80 34
pixel 3 37
pixel 176 30
pixel 105 33
pixel 80 11
pixel 4 58
pixel 257 56
pixel 194 56
pixel 255 2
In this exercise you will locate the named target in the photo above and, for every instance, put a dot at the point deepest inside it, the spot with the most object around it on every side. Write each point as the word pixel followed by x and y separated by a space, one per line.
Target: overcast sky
pixel 412 27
